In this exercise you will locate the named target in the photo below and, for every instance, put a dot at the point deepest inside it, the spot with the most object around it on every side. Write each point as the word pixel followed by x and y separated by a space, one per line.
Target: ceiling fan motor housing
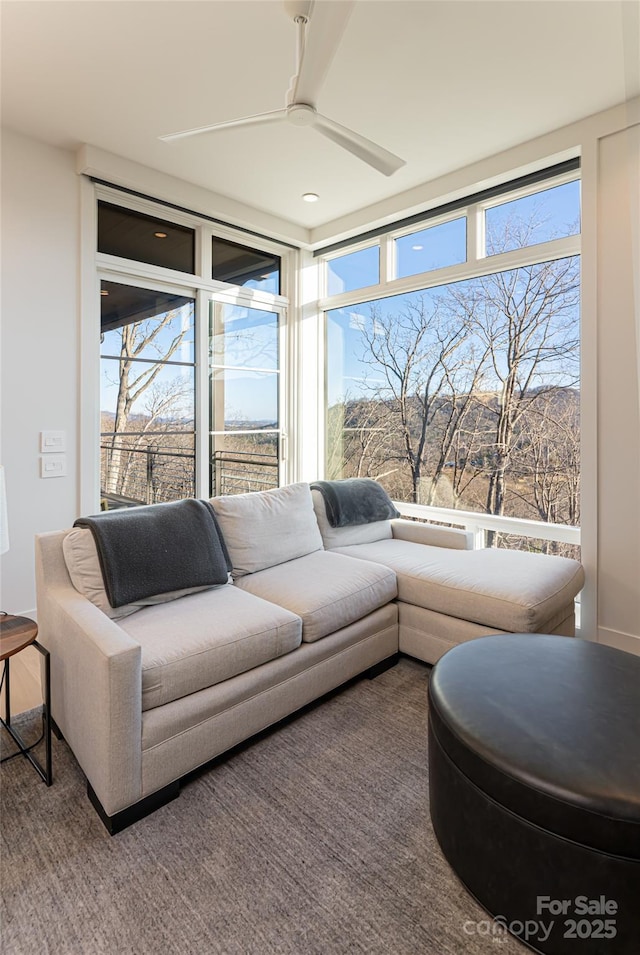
pixel 301 114
pixel 298 9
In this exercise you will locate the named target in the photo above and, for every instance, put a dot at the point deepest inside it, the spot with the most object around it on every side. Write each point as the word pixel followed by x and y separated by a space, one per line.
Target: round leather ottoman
pixel 534 779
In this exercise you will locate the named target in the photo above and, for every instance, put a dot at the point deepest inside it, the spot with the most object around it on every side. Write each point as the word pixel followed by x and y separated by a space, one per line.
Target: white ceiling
pixel 442 84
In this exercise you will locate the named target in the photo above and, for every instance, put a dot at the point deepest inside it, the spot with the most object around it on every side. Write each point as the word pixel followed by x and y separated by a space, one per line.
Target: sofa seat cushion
pixel 198 641
pixel 327 590
pixel 512 590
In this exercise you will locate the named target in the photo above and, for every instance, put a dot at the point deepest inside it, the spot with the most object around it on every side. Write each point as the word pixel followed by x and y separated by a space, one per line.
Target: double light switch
pixel 53 462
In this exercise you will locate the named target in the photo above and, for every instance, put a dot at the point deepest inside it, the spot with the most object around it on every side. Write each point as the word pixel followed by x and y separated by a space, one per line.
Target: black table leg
pixel 7 692
pixel 46 773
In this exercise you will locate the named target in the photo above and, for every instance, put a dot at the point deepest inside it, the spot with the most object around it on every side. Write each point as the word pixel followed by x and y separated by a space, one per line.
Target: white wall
pixel 41 370
pixel 40 255
pixel 618 353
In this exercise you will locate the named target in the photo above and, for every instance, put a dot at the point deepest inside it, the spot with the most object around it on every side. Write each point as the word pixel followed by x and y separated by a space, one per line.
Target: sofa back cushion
pixel 83 565
pixel 156 549
pixel 352 534
pixel 265 528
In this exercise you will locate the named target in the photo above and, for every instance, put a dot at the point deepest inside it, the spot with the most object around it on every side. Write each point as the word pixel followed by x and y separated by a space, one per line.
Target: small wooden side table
pixel 16 633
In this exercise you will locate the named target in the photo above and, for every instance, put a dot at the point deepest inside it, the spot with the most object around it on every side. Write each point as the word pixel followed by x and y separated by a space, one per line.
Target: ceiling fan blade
pixel 258 119
pixel 322 36
pixel 381 159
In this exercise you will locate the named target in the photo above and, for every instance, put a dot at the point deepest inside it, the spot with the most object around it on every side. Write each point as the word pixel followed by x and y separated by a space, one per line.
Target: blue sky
pixel 248 349
pixel 556 212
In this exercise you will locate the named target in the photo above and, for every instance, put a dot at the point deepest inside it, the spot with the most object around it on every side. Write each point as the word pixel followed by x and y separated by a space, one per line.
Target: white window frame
pixel 340 253
pixel 478 264
pixel 391 238
pixel 227 297
pixel 522 193
pixel 97 266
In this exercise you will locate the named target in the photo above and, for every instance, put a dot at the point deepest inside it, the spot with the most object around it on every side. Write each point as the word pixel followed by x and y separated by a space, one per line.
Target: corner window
pixel 463 392
pixel 192 357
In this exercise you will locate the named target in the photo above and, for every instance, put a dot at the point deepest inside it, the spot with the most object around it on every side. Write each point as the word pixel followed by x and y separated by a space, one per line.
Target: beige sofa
pixel 449 593
pixel 146 697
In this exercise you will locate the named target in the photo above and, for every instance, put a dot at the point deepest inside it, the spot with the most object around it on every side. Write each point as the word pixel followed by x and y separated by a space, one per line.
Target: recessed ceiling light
pixel 417 248
pixel 160 235
pixel 310 196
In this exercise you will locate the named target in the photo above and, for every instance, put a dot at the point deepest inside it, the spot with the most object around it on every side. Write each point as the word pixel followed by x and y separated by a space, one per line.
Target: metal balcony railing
pixel 235 472
pixel 152 474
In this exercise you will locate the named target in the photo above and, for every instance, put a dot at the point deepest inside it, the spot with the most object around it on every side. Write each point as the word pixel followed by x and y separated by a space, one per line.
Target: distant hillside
pixel 232 424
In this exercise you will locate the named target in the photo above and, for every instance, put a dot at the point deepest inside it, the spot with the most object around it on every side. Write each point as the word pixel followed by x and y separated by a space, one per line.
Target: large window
pixel 147 396
pixel 245 398
pixel 465 394
pixel 191 396
pixel 451 358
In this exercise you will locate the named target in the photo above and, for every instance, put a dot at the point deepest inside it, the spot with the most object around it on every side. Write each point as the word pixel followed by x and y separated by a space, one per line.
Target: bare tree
pixel 358 440
pixel 135 339
pixel 419 353
pixel 547 459
pixel 465 388
pixel 154 440
pixel 526 319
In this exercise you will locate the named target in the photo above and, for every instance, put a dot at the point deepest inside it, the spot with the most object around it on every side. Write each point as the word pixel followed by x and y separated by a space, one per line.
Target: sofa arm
pixel 96 693
pixel 422 533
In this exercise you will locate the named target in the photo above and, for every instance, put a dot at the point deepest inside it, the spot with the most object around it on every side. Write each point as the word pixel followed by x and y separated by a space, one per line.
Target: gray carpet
pixel 314 840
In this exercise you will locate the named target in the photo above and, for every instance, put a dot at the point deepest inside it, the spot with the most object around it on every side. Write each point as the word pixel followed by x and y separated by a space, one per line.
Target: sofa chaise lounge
pixel 146 693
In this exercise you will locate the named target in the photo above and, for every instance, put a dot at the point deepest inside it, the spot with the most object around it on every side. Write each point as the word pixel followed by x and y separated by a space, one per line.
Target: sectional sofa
pixel 146 693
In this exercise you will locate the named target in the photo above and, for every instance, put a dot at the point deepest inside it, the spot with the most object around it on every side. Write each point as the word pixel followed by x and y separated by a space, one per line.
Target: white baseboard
pixel 621 641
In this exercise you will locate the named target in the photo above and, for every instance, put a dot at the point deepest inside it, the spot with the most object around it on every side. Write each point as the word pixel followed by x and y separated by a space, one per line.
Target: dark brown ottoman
pixel 534 779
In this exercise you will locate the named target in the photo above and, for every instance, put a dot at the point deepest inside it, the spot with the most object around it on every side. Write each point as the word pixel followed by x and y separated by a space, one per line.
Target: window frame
pixel 478 264
pixel 522 193
pixel 160 287
pixel 392 237
pixel 230 298
pixel 98 266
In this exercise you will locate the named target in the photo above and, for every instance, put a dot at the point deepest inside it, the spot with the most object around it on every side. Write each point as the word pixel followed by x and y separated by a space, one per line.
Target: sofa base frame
pixel 125 818
pixel 144 807
pixel 381 667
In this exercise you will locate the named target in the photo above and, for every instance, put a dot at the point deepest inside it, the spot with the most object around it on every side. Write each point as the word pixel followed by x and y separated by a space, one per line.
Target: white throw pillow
pixel 353 533
pixel 265 528
pixel 83 565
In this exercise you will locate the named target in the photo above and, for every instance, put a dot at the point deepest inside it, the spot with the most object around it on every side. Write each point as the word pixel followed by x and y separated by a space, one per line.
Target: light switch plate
pixel 52 442
pixel 53 465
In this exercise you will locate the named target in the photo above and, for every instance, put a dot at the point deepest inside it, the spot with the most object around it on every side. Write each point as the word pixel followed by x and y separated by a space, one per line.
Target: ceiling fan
pixel 315 49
